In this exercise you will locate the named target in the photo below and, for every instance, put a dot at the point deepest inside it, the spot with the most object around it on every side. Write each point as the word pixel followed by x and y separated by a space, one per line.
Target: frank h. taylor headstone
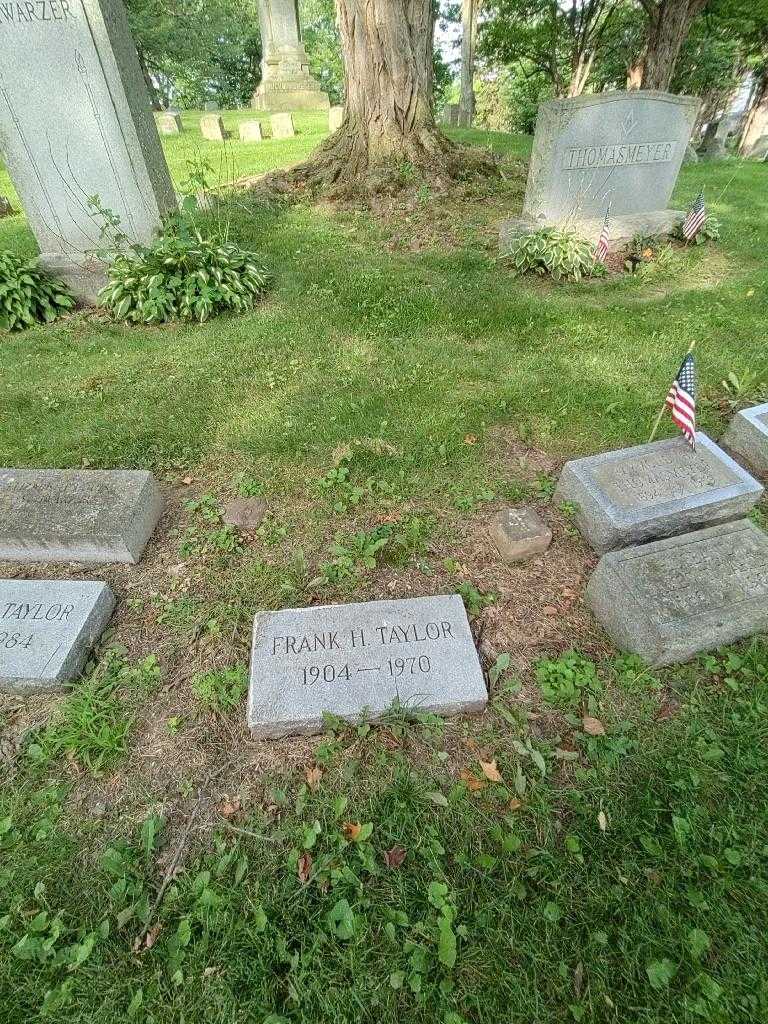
pixel 47 628
pixel 655 490
pixel 356 659
pixel 668 600
pixel 622 149
pixel 61 515
pixel 75 122
pixel 747 436
pixel 286 83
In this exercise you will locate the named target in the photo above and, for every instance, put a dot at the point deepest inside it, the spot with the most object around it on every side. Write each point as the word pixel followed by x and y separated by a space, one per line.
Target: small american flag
pixel 695 218
pixel 602 243
pixel 682 400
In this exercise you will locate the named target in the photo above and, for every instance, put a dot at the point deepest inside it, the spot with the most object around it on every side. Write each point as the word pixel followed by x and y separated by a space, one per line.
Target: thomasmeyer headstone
pixel 168 123
pixel 668 600
pixel 282 126
pixel 75 122
pixel 70 515
pixel 212 128
pixel 617 149
pixel 250 131
pixel 358 659
pixel 747 436
pixel 47 629
pixel 654 490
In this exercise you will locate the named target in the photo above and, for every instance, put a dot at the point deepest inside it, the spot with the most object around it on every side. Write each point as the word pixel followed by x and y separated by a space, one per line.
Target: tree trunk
pixel 756 123
pixel 669 24
pixel 635 76
pixel 154 98
pixel 468 32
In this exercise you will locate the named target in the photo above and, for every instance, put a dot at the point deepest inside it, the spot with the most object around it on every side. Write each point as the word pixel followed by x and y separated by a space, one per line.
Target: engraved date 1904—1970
pixel 394 667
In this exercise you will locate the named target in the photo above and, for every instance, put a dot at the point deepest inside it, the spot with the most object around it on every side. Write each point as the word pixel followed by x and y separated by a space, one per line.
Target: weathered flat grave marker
pixel 747 436
pixel 250 131
pixel 655 490
pixel 47 628
pixel 70 515
pixel 668 600
pixel 212 128
pixel 356 659
pixel 520 533
pixel 282 126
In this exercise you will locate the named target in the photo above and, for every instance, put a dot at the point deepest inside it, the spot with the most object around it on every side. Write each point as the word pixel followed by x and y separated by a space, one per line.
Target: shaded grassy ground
pixel 614 878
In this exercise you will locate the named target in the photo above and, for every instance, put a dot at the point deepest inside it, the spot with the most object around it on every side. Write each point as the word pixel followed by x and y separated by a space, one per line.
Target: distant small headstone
pixel 335 118
pixel 451 115
pixel 5 207
pixel 520 533
pixel 70 515
pixel 210 106
pixel 250 131
pixel 358 659
pixel 212 128
pixel 747 436
pixel 47 629
pixel 690 156
pixel 668 600
pixel 244 513
pixel 655 490
pixel 168 123
pixel 759 149
pixel 282 126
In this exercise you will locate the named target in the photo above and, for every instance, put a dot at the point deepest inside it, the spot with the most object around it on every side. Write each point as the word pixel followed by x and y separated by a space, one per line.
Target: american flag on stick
pixel 602 243
pixel 695 218
pixel 682 400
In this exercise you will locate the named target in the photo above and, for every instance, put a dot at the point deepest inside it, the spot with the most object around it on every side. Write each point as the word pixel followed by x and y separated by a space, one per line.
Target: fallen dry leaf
pixel 305 867
pixel 352 830
pixel 148 940
pixel 549 609
pixel 514 804
pixel 188 480
pixel 470 439
pixel 602 821
pixel 592 726
pixel 229 806
pixel 388 739
pixel 313 776
pixel 473 783
pixel 394 858
pixel 490 771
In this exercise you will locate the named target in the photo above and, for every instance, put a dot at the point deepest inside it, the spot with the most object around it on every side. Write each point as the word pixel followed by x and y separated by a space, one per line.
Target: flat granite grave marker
pixel 250 131
pixel 519 533
pixel 358 659
pixel 282 126
pixel 75 121
pixel 71 515
pixel 212 128
pixel 619 148
pixel 47 629
pixel 668 600
pixel 655 490
pixel 747 436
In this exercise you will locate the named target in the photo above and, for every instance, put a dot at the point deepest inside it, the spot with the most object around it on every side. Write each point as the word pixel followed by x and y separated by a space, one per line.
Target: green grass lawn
pixel 616 878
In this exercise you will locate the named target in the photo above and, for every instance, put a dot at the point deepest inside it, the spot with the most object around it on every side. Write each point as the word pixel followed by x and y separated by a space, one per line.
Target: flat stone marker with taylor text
pixel 282 126
pixel 358 659
pixel 747 436
pixel 671 599
pixel 655 490
pixel 520 533
pixel 47 629
pixel 71 515
pixel 250 131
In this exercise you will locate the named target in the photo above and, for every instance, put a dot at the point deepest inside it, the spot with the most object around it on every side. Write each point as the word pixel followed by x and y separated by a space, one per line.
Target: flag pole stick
pixel 657 422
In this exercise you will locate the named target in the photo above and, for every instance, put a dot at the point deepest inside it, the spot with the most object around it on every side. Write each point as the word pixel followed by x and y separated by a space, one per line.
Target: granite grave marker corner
pixel 76 122
pixel 670 599
pixel 655 490
pixel 619 148
pixel 47 629
pixel 747 436
pixel 357 660
pixel 68 515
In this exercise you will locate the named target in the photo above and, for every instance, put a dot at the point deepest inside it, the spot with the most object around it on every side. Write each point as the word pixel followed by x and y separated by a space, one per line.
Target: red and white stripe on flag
pixel 683 410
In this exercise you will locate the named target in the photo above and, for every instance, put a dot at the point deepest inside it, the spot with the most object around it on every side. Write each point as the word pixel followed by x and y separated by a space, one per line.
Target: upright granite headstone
pixel 210 106
pixel 358 659
pixel 451 115
pixel 71 515
pixel 250 131
pixel 75 121
pixel 47 628
pixel 286 83
pixel 668 600
pixel 617 149
pixel 655 490
pixel 747 436
pixel 169 123
pixel 335 118
pixel 212 128
pixel 282 126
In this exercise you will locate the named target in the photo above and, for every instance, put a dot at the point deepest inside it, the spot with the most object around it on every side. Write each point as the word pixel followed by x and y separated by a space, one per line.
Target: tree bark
pixel 154 98
pixel 669 22
pixel 756 123
pixel 468 34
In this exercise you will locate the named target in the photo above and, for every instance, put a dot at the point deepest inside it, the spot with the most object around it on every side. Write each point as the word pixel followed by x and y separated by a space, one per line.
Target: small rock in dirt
pixel 520 533
pixel 244 513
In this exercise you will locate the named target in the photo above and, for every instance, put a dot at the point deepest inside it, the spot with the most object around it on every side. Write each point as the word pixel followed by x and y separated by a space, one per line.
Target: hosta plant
pixel 183 276
pixel 28 295
pixel 562 255
pixel 708 232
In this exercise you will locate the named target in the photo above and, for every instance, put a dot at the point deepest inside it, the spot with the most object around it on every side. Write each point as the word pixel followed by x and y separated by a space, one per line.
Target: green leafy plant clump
pixel 29 295
pixel 708 232
pixel 183 276
pixel 561 255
